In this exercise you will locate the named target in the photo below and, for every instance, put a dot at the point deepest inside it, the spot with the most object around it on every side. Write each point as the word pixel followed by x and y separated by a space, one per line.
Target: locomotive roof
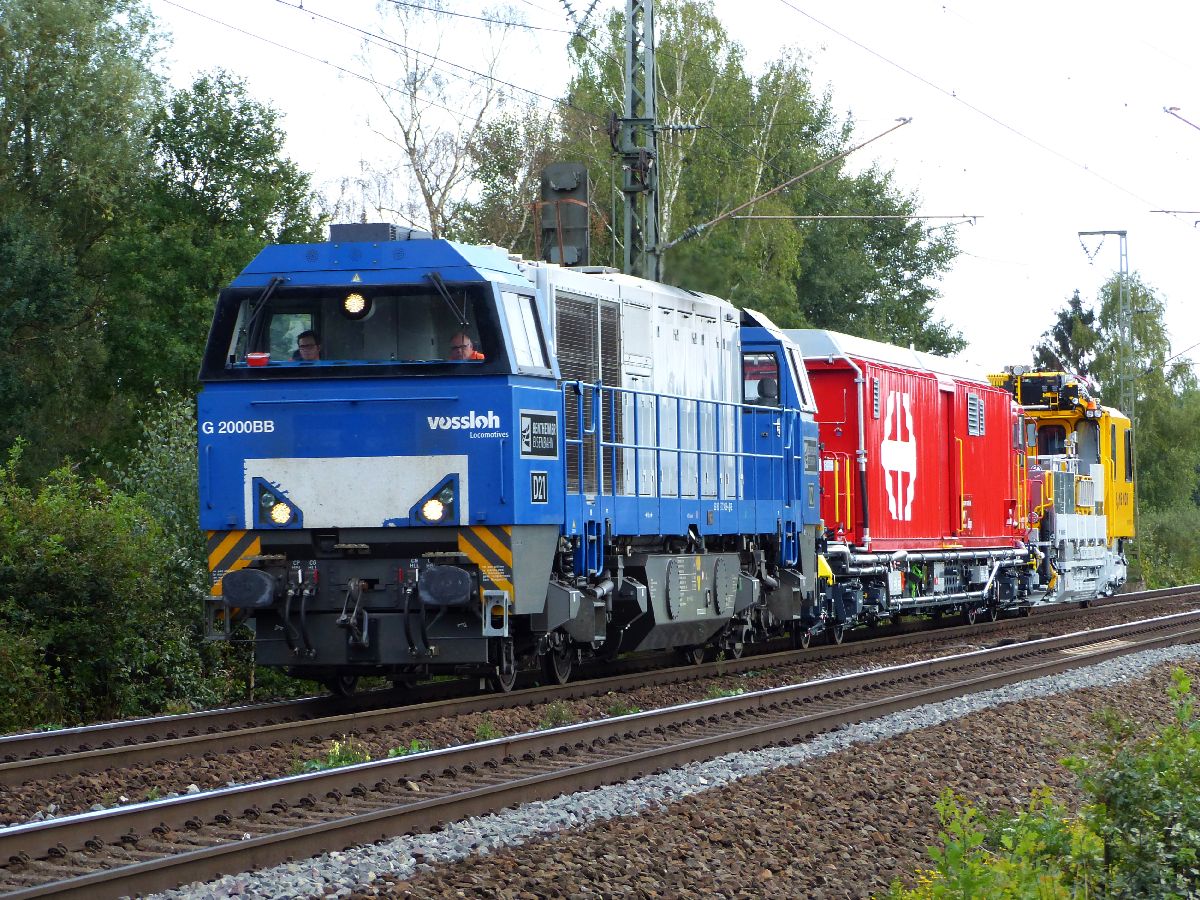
pixel 608 282
pixel 381 262
pixel 816 343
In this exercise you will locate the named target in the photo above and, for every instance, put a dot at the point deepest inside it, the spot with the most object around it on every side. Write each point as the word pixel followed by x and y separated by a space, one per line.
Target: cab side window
pixel 760 378
pixel 1052 440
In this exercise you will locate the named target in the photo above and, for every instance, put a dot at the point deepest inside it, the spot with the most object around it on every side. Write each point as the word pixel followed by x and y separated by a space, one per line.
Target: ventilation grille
pixel 588 336
pixel 975 422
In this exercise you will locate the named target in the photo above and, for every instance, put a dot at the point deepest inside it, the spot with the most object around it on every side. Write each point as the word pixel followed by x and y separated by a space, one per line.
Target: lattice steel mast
pixel 1126 380
pixel 637 144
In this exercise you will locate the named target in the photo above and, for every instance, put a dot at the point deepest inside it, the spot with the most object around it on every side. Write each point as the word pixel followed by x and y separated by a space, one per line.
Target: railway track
pixel 152 846
pixel 40 756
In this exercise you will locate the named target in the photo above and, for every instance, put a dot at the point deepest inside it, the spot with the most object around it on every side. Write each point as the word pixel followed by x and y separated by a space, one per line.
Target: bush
pixel 86 602
pixel 1137 835
pixel 161 471
pixel 1145 802
pixel 30 695
pixel 1168 546
pixel 1031 854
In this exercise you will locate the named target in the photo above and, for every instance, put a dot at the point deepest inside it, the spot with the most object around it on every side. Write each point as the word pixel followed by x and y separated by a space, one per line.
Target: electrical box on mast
pixel 564 214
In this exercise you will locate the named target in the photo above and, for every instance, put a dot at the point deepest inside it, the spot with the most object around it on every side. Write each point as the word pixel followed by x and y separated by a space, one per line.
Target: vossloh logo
pixel 472 421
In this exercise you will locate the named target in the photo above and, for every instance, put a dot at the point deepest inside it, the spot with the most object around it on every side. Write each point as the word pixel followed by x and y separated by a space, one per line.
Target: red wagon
pixel 921 471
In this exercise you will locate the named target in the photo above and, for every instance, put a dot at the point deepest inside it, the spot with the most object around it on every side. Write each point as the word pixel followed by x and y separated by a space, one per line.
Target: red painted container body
pixel 941 466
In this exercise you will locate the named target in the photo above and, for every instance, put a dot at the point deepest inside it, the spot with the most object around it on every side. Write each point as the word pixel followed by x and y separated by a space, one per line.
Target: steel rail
pixel 365 718
pixel 855 698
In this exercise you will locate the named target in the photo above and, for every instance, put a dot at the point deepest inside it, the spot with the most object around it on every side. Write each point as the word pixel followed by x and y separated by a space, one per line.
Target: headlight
pixel 433 510
pixel 355 306
pixel 281 513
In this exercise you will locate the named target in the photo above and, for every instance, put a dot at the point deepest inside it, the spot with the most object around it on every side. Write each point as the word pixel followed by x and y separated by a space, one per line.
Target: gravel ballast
pixel 839 816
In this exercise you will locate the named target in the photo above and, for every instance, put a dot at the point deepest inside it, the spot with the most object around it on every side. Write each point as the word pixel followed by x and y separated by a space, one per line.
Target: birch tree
pixel 436 111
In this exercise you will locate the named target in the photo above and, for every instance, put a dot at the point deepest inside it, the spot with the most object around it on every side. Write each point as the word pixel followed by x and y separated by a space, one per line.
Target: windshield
pixel 298 329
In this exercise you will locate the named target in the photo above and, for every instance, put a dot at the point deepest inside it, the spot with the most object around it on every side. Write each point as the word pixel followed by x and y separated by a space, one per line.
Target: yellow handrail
pixel 962 488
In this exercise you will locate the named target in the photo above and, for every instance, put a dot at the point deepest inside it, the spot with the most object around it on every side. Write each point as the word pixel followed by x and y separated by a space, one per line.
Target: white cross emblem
pixel 898 456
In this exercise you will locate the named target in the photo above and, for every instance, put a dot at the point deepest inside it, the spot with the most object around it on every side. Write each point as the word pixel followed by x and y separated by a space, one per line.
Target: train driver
pixel 463 348
pixel 308 347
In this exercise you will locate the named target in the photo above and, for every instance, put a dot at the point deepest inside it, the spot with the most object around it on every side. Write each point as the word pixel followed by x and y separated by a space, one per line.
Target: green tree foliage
pixel 1138 834
pixel 87 609
pixel 78 91
pixel 1087 339
pixel 1151 364
pixel 221 190
pixel 122 210
pixel 507 162
pixel 873 277
pixel 1070 343
pixel 48 334
pixel 1167 408
pixel 76 95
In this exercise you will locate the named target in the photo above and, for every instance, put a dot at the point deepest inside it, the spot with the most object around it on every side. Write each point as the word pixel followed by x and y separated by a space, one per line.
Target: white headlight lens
pixel 281 514
pixel 433 510
pixel 354 304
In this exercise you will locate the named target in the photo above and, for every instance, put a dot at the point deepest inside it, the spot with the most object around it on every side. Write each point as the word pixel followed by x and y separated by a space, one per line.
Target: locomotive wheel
pixel 737 649
pixel 837 633
pixel 692 656
pixel 343 685
pixel 1085 603
pixel 993 612
pixel 557 664
pixel 504 676
pixel 801 638
pixel 971 614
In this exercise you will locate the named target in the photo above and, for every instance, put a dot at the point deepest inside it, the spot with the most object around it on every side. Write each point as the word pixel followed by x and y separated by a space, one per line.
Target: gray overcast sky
pixel 1044 119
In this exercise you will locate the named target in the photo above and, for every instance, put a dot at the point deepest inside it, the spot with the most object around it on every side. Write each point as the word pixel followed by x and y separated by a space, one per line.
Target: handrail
pixel 609 444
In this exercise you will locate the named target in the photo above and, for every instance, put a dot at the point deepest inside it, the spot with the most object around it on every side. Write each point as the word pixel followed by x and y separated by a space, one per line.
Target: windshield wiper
pixel 440 284
pixel 257 306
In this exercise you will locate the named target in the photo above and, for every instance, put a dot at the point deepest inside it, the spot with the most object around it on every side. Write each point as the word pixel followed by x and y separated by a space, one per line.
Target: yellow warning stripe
pixel 224 546
pixel 501 548
pixel 489 549
pixel 229 551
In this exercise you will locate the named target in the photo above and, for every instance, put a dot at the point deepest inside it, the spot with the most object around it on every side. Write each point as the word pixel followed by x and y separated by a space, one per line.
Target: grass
pixel 486 730
pixel 416 745
pixel 620 708
pixel 346 752
pixel 557 714
pixel 719 693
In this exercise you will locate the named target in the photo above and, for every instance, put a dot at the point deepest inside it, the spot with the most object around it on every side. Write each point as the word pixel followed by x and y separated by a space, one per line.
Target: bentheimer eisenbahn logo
pixel 471 421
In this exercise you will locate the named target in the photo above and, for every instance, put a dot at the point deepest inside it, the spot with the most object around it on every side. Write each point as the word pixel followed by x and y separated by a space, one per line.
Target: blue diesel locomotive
pixel 604 464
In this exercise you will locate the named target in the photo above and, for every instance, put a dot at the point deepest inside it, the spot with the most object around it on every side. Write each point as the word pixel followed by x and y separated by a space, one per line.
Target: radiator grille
pixel 588 340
